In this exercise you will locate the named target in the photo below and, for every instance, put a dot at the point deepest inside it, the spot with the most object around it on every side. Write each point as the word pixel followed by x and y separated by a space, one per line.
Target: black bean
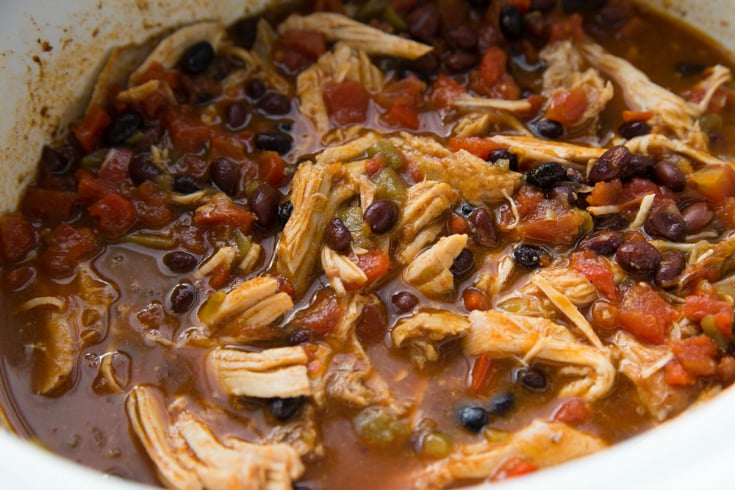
pixel 188 184
pixel 602 242
pixel 179 261
pixel 564 194
pixel 483 228
pixel 275 104
pixel 236 115
pixel 610 165
pixel 502 404
pixel 574 175
pixel 528 255
pixel 638 257
pixel 423 23
pixel 255 88
pixel 672 264
pixel 665 221
pixel 688 68
pixel 511 22
pixel 631 129
pixel 613 221
pixel 473 417
pixel 696 217
pixel 225 174
pixel 284 213
pixel 463 263
pixel 337 236
pixel 581 5
pixel 243 31
pixel 197 58
pixel 549 129
pixel 504 154
pixel 533 379
pixel 543 5
pixel 381 215
pixel 122 127
pixel 639 166
pixel 54 161
pixel 460 61
pixel 182 297
pixel 669 175
pixel 466 210
pixel 546 175
pixel 403 302
pixel 462 37
pixel 274 141
pixel 141 168
pixel 300 336
pixel 264 203
pixel 612 15
pixel 425 65
pixel 284 409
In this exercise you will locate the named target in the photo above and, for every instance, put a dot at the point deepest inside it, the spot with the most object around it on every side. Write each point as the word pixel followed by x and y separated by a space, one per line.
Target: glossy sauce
pixel 87 423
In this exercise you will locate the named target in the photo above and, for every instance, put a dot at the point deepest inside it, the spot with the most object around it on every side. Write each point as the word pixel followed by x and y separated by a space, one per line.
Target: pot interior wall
pixel 50 54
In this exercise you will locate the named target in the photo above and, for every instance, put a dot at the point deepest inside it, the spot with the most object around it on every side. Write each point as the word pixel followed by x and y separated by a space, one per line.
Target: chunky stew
pixel 406 243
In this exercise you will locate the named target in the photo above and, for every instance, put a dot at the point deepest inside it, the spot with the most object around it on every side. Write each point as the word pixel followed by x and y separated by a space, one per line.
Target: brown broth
pixel 90 426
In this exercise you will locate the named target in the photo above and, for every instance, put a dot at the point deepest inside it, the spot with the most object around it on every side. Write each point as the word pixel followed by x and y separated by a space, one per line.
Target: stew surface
pixel 414 244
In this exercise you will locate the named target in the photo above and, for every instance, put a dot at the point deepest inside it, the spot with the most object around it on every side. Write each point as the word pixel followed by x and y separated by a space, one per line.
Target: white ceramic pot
pixel 50 51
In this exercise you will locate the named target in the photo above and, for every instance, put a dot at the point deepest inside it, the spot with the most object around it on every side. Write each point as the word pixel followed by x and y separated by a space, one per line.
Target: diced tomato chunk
pixel 645 314
pixel 494 80
pixel 219 276
pixel 90 188
pixel 311 44
pixel 597 271
pixel 573 411
pixel 493 65
pixel 17 237
pixel 480 147
pixel 717 183
pixel 272 168
pixel 89 132
pixel 551 222
pixel 224 212
pixel 513 467
pixel 65 247
pixel 443 91
pixel 115 214
pixel 346 102
pixel 226 146
pixel 604 193
pixel 696 308
pixel 697 354
pixel 151 205
pixel 569 27
pixel 567 106
pixel 630 116
pixel 403 98
pixel 50 206
pixel 187 131
pixel 374 263
pixel 403 115
pixel 481 372
pixel 676 375
pixel 115 166
pixel 322 315
pixel 457 224
pixel 375 165
pixel 474 299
